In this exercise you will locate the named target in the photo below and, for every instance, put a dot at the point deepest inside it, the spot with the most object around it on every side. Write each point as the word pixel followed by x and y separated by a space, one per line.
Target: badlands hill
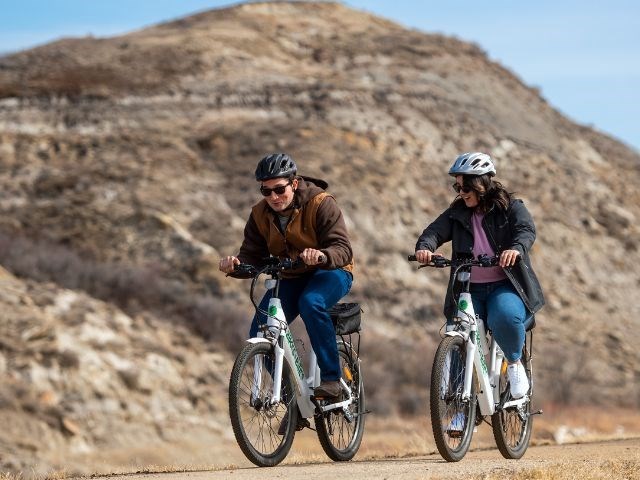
pixel 126 171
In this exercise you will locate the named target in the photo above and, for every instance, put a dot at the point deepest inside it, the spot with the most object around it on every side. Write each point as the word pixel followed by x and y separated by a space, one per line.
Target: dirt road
pixel 576 458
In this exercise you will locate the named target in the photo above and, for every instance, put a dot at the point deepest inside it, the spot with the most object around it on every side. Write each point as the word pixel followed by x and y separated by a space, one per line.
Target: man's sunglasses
pixel 461 188
pixel 279 190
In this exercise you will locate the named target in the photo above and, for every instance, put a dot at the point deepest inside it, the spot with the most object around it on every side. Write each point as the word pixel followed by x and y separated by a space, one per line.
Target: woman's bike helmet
pixel 473 163
pixel 276 165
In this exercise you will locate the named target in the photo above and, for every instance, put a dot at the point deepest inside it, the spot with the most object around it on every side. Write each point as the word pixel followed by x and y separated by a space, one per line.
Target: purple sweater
pixel 481 246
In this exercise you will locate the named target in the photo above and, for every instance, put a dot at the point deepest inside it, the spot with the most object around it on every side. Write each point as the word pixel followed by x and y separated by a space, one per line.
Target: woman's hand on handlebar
pixel 508 258
pixel 311 256
pixel 425 256
pixel 227 264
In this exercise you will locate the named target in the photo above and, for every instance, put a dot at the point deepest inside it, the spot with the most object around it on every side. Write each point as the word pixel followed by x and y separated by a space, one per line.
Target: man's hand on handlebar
pixel 227 264
pixel 311 256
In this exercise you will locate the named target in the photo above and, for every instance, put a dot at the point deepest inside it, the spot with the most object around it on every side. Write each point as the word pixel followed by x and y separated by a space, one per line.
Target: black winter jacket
pixel 512 229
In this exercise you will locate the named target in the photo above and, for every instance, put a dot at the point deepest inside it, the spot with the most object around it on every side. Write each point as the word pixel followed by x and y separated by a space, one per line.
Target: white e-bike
pixel 469 373
pixel 271 396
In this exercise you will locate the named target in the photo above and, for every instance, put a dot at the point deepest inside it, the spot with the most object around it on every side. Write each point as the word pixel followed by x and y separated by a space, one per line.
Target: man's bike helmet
pixel 275 165
pixel 473 163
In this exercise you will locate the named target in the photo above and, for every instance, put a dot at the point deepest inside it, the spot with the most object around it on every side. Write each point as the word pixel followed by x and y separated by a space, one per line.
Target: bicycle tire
pixel 254 420
pixel 445 398
pixel 512 427
pixel 340 438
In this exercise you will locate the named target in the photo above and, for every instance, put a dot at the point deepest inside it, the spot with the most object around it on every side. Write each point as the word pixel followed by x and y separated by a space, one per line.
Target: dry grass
pixel 56 475
pixel 607 470
pixel 10 476
pixel 568 424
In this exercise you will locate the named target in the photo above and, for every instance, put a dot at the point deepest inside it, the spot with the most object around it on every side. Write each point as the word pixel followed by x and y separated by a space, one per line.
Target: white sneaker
pixel 518 382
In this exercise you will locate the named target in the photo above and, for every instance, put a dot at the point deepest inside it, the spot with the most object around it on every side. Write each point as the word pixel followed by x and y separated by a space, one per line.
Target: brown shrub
pixel 131 287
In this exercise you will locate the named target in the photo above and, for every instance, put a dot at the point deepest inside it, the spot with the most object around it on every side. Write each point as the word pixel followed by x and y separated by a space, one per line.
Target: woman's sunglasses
pixel 279 190
pixel 461 188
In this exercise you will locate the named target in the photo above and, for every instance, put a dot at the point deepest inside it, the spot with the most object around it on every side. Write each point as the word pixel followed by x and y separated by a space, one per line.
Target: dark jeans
pixel 505 314
pixel 310 296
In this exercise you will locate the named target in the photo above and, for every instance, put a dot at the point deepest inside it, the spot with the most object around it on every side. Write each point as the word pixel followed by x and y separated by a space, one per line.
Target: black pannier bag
pixel 346 317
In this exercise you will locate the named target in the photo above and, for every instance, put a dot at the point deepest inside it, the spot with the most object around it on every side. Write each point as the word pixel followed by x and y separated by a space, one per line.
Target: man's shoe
pixel 518 382
pixel 328 389
pixel 456 426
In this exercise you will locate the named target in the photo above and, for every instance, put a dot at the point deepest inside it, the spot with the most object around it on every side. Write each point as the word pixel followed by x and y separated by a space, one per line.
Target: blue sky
pixel 584 56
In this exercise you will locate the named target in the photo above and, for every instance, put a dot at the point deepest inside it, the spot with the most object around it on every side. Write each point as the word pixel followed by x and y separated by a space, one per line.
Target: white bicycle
pixel 271 396
pixel 470 372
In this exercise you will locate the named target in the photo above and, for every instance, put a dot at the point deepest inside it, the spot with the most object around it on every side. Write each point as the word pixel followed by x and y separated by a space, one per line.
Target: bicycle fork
pixel 275 318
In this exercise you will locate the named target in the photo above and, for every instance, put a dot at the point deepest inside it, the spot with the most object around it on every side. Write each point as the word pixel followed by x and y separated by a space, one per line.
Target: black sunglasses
pixel 279 190
pixel 461 188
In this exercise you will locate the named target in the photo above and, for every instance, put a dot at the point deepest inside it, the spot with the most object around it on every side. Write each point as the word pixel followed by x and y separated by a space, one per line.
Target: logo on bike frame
pixel 483 362
pixel 294 352
pixel 463 305
pixel 273 311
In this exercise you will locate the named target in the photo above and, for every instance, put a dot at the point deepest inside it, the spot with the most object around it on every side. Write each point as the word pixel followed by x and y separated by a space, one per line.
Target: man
pixel 298 218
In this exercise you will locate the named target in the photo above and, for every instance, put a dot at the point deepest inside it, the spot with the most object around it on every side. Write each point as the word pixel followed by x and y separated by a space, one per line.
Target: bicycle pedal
pixel 302 424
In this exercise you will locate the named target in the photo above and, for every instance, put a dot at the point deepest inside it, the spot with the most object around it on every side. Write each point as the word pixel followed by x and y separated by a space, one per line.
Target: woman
pixel 485 219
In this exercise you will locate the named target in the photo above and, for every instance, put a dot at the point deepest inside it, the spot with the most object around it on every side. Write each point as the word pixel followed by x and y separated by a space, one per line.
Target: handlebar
pixel 438 261
pixel 272 266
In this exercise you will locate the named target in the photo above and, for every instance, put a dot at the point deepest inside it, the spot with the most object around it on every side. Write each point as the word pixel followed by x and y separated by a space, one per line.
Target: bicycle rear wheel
pixel 512 427
pixel 452 418
pixel 340 432
pixel 255 419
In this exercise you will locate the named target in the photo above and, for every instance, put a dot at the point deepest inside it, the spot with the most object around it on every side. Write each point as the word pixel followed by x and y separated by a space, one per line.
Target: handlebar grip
pixel 243 271
pixel 412 258
pixel 322 258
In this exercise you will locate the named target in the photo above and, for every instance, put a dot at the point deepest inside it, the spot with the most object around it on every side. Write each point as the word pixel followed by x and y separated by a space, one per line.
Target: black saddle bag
pixel 346 317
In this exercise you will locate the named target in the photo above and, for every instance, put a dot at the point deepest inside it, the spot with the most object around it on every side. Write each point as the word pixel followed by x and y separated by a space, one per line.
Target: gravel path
pixel 480 462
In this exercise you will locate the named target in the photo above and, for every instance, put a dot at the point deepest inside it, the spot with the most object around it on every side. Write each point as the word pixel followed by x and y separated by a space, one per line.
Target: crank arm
pixel 516 403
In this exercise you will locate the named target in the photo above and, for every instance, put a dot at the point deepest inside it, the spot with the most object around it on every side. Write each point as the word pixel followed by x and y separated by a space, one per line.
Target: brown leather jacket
pixel 316 222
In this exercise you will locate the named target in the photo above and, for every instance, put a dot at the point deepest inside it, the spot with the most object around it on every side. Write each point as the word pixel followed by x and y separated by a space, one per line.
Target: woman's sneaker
pixel 518 382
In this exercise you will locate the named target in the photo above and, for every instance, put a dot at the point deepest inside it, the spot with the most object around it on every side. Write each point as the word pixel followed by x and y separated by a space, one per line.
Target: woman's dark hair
pixel 490 192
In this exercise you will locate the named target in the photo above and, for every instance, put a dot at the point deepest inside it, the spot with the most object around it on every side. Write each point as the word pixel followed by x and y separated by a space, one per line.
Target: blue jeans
pixel 310 296
pixel 504 312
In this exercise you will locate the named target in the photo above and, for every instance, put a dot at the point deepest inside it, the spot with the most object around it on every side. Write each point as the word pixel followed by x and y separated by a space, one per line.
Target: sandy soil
pixel 476 463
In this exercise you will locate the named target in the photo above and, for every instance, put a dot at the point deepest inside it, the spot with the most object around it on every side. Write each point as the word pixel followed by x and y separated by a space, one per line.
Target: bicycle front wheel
pixel 263 429
pixel 452 417
pixel 512 427
pixel 340 431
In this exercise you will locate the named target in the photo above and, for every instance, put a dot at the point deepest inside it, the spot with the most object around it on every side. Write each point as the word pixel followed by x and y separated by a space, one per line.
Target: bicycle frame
pixel 471 328
pixel 279 335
